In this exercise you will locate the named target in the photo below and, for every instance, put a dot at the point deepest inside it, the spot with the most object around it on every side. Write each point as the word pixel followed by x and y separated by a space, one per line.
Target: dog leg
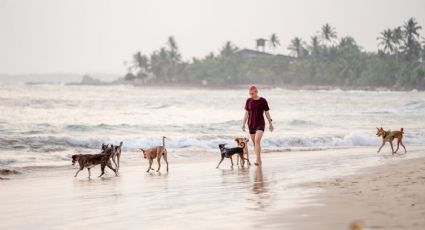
pixel 150 164
pixel 78 171
pixel 392 148
pixel 398 145
pixel 383 143
pixel 165 158
pixel 159 163
pixel 401 142
pixel 88 169
pixel 242 161
pixel 102 168
pixel 237 160
pixel 115 163
pixel 118 161
pixel 231 160
pixel 220 162
pixel 110 166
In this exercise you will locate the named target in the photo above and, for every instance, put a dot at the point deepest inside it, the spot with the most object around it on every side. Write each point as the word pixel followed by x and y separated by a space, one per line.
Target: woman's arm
pixel 245 119
pixel 269 119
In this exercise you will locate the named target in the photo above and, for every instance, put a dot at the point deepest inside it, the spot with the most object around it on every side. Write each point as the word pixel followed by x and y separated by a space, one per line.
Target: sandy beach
pixel 293 190
pixel 384 197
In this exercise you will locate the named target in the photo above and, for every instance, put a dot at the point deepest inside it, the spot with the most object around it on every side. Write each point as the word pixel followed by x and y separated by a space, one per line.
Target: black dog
pixel 229 152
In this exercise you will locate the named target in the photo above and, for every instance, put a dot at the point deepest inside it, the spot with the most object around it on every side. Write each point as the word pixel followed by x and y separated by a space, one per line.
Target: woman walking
pixel 255 107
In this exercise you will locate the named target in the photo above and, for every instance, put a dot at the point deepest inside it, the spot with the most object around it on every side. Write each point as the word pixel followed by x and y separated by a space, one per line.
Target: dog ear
pixel 142 150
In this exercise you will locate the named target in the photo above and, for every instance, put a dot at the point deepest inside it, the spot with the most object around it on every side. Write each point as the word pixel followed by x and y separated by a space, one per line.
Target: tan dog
pixel 156 152
pixel 243 143
pixel 389 136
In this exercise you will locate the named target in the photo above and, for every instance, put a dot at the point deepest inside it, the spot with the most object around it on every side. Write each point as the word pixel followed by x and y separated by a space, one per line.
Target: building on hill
pixel 249 53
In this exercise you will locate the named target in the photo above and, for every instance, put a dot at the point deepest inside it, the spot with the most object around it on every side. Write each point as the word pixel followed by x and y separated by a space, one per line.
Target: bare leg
pixel 220 162
pixel 257 146
pixel 383 143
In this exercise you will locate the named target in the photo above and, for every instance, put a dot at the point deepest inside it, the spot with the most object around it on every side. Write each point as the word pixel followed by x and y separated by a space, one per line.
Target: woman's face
pixel 253 93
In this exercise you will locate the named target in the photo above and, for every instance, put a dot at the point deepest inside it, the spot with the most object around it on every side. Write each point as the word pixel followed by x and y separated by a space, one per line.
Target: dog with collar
pixel 229 152
pixel 389 136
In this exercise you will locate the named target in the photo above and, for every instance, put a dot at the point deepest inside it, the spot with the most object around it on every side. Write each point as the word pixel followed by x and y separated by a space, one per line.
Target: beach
pixel 293 190
pixel 323 140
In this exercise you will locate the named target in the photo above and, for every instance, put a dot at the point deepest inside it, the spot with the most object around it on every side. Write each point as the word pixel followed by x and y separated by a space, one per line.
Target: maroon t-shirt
pixel 256 110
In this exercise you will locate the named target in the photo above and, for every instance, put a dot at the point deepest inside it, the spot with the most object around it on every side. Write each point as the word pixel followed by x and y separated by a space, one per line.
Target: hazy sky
pixel 96 36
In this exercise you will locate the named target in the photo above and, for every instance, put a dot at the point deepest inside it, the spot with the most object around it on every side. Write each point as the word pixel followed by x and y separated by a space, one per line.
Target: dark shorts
pixel 253 131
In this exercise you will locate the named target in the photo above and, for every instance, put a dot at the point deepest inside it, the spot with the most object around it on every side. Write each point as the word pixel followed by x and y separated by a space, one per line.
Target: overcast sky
pixel 96 36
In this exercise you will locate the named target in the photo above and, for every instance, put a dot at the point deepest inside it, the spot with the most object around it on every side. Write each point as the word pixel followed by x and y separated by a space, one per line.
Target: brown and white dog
pixel 243 143
pixel 389 136
pixel 156 152
pixel 90 160
pixel 116 154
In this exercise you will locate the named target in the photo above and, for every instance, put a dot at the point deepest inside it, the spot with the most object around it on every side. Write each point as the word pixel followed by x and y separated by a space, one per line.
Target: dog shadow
pixel 390 156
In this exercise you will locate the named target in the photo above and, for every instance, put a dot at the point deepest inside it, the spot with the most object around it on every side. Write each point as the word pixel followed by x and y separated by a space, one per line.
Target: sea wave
pixel 63 143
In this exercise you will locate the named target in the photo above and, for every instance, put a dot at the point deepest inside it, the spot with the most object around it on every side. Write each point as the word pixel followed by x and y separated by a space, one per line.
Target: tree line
pixel 323 60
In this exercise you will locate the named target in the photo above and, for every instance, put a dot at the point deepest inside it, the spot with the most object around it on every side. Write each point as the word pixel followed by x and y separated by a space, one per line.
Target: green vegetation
pixel 326 60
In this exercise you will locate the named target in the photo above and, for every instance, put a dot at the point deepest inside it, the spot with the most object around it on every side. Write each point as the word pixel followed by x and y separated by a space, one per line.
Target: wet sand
pixel 287 193
pixel 385 197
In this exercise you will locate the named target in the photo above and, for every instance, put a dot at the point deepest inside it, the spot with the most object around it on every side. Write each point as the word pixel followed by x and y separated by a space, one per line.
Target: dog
pixel 156 152
pixel 243 143
pixel 116 154
pixel 90 160
pixel 389 136
pixel 229 152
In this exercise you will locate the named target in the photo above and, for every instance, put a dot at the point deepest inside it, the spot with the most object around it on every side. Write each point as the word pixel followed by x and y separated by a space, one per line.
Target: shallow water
pixel 192 195
pixel 42 125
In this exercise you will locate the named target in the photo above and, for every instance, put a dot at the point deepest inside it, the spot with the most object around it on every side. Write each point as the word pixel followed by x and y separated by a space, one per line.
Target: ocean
pixel 43 125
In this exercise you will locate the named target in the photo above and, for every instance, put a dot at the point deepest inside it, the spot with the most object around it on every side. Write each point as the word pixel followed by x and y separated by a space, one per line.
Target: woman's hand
pixel 271 127
pixel 243 128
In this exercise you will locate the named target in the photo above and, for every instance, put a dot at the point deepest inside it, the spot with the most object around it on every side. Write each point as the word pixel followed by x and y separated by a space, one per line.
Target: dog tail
pixel 402 130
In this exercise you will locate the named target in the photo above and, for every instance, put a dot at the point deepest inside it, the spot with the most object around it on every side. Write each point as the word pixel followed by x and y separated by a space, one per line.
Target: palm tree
pixel 328 33
pixel 397 40
pixel 173 53
pixel 347 43
pixel 386 40
pixel 314 45
pixel 274 41
pixel 171 42
pixel 297 47
pixel 411 34
pixel 228 50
